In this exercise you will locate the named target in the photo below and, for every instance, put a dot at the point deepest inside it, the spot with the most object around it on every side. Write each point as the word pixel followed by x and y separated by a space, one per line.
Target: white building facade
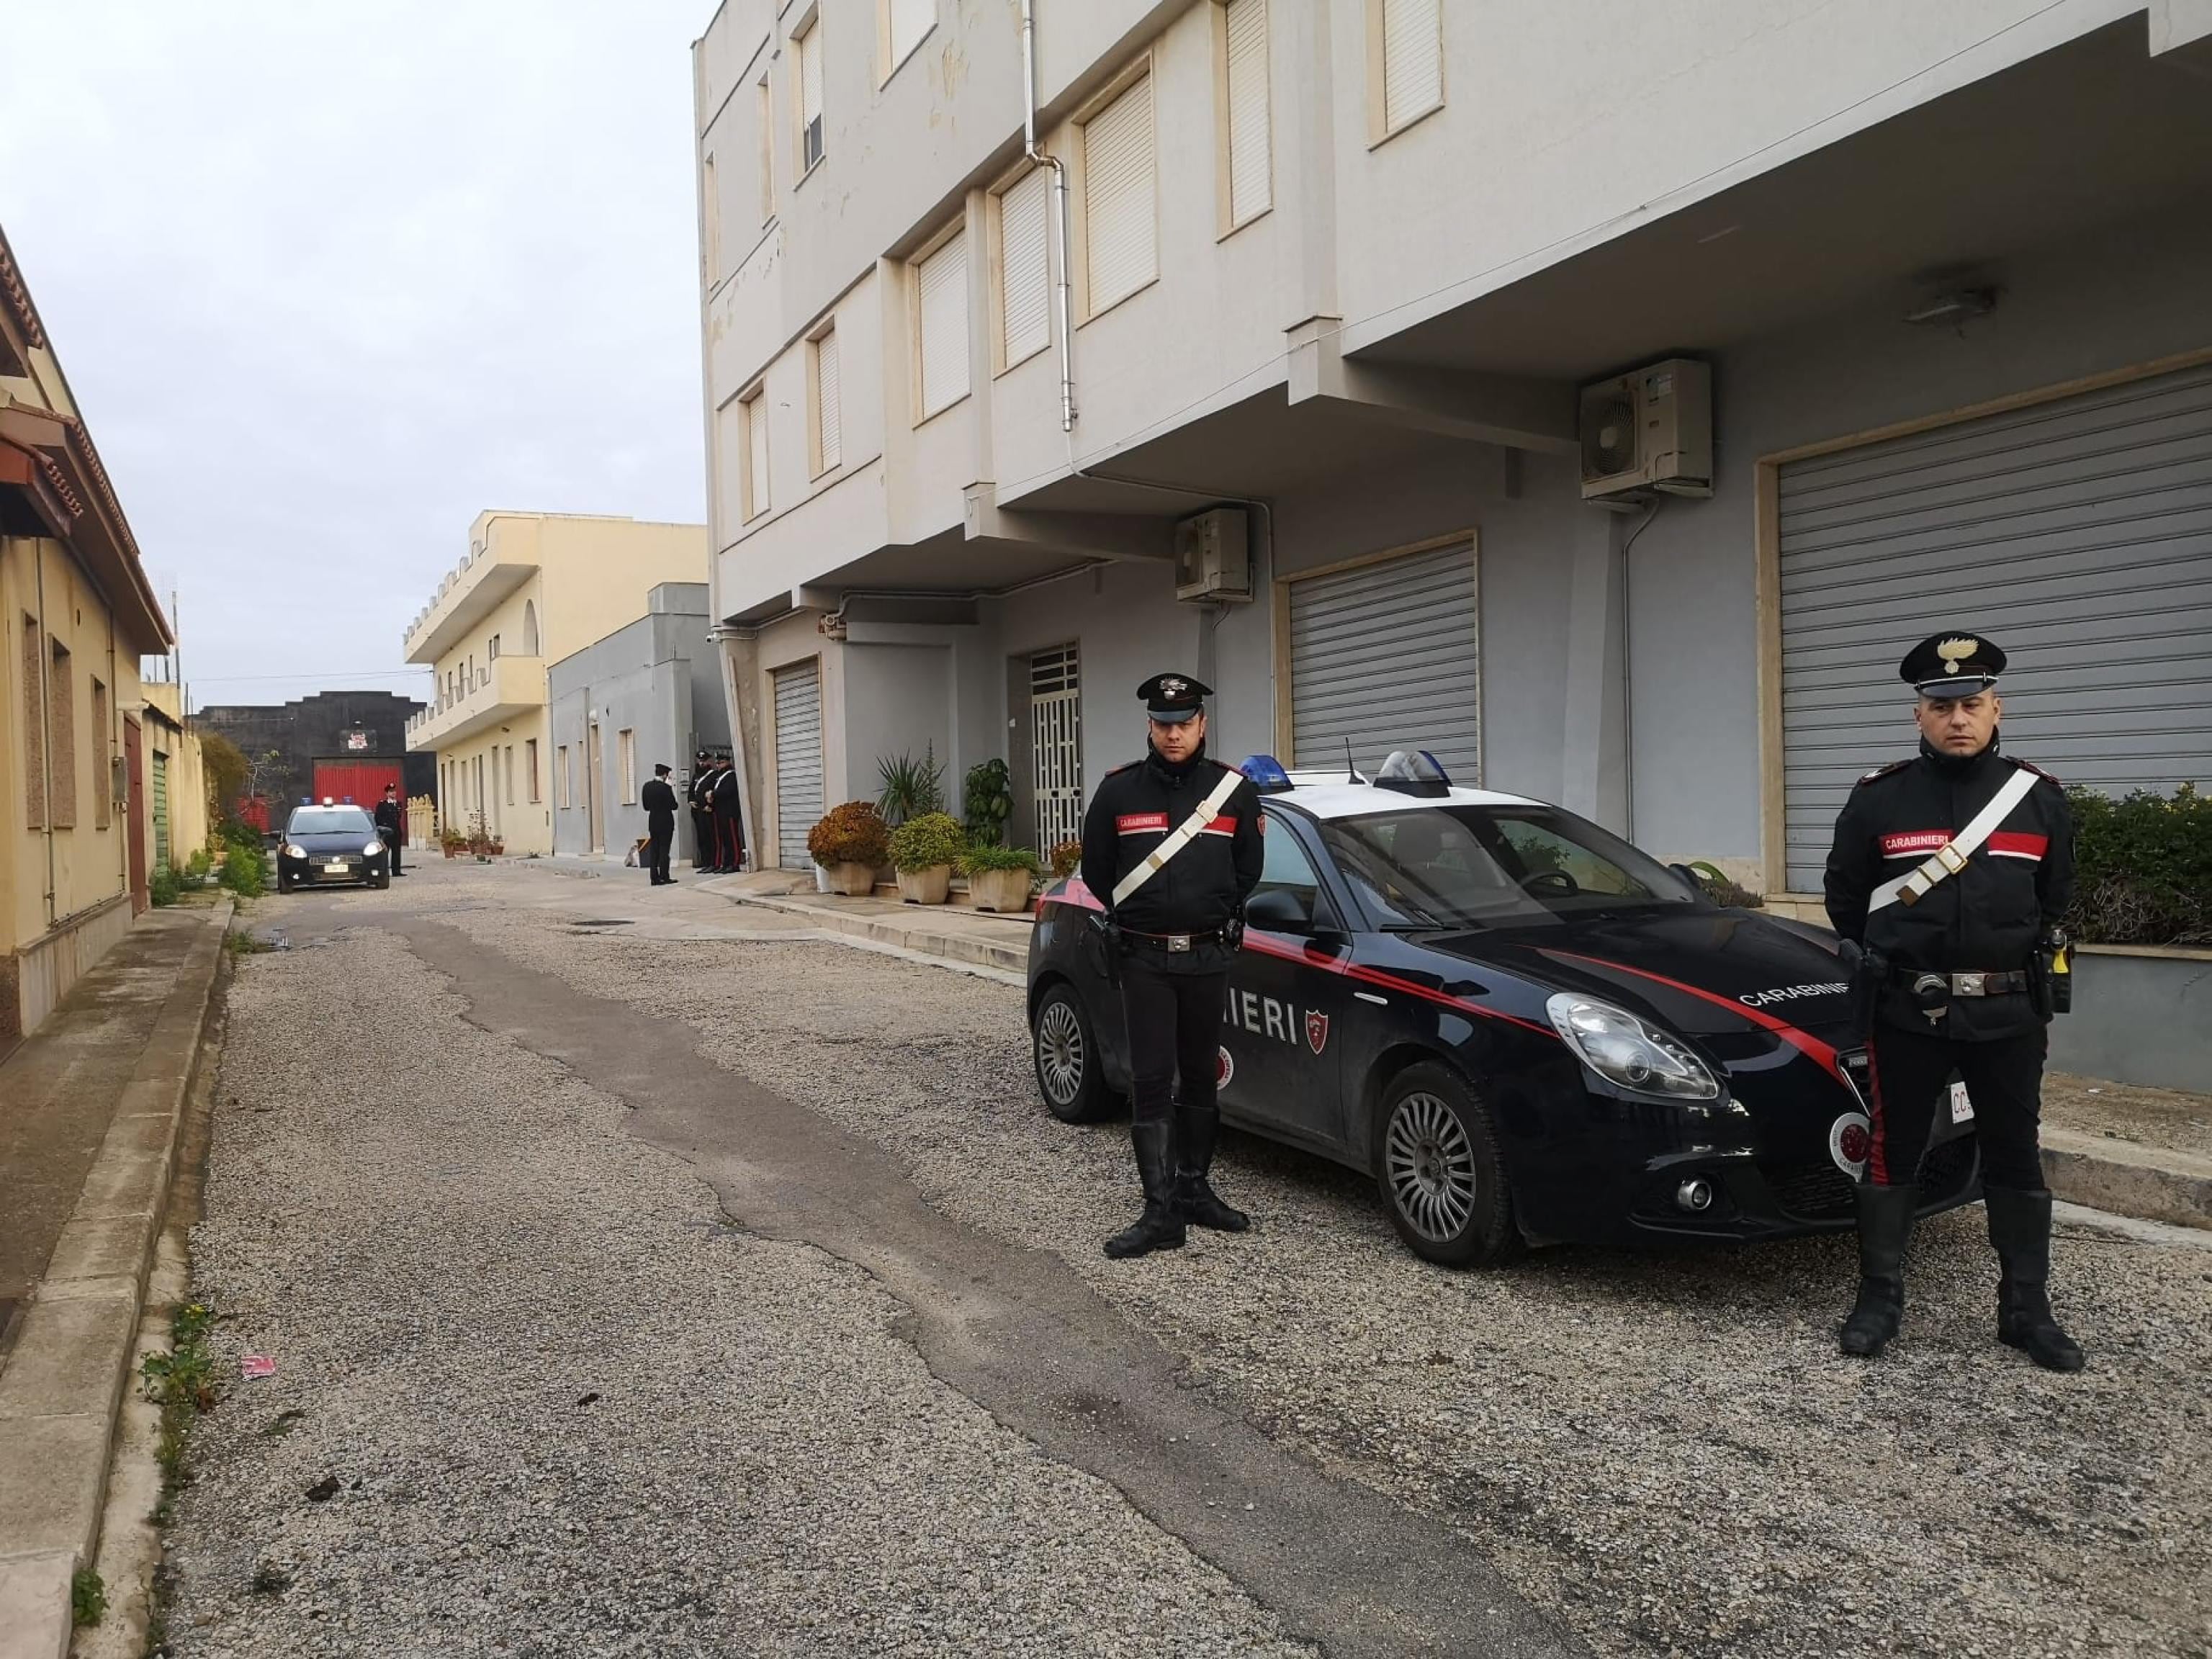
pixel 1345 267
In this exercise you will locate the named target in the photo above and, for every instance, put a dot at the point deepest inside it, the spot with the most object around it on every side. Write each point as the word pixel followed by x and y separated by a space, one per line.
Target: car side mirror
pixel 1278 910
pixel 1690 880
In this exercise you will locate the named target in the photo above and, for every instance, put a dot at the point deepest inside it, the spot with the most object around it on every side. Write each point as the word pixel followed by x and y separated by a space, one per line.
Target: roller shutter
pixel 2078 533
pixel 1245 25
pixel 798 761
pixel 941 284
pixel 1024 276
pixel 161 810
pixel 1412 60
pixel 1386 656
pixel 1120 229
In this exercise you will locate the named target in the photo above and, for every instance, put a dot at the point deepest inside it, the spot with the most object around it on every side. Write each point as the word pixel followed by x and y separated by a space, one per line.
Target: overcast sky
pixel 328 279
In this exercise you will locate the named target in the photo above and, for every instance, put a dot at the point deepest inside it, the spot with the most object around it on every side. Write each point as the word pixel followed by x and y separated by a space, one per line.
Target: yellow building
pixel 535 587
pixel 77 613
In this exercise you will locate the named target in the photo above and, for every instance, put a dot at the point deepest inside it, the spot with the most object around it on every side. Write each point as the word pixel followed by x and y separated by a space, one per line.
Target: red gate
pixel 361 780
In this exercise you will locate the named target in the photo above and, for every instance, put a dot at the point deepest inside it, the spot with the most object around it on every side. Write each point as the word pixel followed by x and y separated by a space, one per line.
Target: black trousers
pixel 656 851
pixel 702 831
pixel 1175 1031
pixel 391 838
pixel 2003 1080
pixel 729 840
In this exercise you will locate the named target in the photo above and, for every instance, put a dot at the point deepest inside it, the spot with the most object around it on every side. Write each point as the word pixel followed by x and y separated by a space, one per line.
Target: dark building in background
pixel 352 742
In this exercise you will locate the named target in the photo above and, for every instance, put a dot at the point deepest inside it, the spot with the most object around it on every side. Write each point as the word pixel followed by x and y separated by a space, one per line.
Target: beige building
pixel 534 588
pixel 75 812
pixel 1590 394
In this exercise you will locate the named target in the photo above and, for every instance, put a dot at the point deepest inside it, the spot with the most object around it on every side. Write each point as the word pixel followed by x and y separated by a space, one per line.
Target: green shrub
pixel 987 856
pixel 2142 868
pixel 927 841
pixel 851 833
pixel 163 886
pixel 911 787
pixel 87 1598
pixel 198 864
pixel 246 868
pixel 988 794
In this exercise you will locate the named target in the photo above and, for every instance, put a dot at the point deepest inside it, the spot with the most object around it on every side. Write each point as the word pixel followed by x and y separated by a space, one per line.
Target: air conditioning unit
pixel 1648 431
pixel 1213 556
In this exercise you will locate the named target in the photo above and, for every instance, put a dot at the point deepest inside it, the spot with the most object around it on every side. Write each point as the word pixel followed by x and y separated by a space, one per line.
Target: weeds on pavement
pixel 87 1598
pixel 239 943
pixel 182 1383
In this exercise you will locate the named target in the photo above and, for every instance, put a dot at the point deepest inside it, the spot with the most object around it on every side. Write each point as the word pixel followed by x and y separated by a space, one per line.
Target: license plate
pixel 336 867
pixel 1962 1110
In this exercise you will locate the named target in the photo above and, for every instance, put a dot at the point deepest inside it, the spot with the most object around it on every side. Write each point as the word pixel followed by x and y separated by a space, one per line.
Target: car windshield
pixel 329 821
pixel 1493 867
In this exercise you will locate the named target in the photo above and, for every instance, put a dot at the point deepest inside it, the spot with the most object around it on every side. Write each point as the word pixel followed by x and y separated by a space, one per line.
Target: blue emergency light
pixel 1413 772
pixel 1267 774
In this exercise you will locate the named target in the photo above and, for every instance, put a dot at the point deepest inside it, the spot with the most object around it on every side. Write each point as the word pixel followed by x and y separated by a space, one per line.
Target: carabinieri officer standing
pixel 1172 848
pixel 1951 870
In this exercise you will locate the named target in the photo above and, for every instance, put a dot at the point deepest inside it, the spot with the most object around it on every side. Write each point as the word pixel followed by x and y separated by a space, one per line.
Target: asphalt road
pixel 859 1380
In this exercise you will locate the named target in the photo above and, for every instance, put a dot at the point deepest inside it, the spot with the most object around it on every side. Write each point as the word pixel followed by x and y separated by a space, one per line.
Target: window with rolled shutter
pixel 764 120
pixel 1120 235
pixel 1250 189
pixel 755 409
pixel 1412 60
pixel 941 290
pixel 910 20
pixel 1025 279
pixel 828 412
pixel 810 97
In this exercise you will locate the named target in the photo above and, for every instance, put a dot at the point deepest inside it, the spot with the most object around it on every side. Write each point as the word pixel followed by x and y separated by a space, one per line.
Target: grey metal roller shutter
pixel 798 761
pixel 1386 656
pixel 160 812
pixel 2078 533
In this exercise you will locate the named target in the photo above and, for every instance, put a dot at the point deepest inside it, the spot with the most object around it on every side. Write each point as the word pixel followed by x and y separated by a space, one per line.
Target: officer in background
pixel 659 799
pixel 1950 871
pixel 700 798
pixel 1172 848
pixel 390 827
pixel 729 823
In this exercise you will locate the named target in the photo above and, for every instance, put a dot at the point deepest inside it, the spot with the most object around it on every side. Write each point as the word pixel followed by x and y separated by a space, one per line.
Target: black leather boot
pixel 1885 1223
pixel 1160 1227
pixel 1197 1126
pixel 2019 1228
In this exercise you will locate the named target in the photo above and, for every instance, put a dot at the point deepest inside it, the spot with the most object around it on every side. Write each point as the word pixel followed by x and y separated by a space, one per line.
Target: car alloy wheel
pixel 1430 1167
pixel 1442 1176
pixel 1067 1058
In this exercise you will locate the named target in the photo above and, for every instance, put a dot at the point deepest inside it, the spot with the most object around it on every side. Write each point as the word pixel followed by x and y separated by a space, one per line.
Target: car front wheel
pixel 1065 1056
pixel 1442 1176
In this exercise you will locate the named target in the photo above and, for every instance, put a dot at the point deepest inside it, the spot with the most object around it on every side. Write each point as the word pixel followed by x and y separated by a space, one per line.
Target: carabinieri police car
pixel 1526 1030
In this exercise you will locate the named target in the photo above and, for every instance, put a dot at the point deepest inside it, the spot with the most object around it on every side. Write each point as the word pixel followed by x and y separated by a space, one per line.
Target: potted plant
pixel 911 787
pixel 849 842
pixel 923 851
pixel 1066 859
pixel 1000 878
pixel 988 794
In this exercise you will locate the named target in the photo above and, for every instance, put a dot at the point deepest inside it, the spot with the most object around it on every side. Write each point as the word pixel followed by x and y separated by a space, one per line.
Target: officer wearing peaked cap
pixel 1949 872
pixel 1172 848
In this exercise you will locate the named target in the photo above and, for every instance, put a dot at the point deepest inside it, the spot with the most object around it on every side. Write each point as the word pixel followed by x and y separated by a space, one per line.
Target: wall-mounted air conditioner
pixel 1213 556
pixel 1648 431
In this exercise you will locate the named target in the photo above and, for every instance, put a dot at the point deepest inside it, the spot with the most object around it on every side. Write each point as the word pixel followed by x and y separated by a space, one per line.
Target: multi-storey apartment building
pixel 994 295
pixel 534 587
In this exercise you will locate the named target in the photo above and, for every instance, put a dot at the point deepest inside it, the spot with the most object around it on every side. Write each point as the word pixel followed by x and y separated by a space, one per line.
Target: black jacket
pixel 1985 919
pixel 702 788
pixel 1136 808
pixel 724 797
pixel 387 815
pixel 659 799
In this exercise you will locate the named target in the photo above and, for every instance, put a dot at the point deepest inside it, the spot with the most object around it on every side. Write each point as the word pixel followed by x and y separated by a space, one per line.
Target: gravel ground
pixel 534 1396
pixel 1665 1451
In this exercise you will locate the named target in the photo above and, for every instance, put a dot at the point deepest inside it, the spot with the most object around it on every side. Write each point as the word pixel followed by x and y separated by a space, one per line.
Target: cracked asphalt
pixel 684 1284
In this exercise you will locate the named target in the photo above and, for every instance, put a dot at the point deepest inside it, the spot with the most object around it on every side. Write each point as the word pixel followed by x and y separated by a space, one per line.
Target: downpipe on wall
pixel 46 732
pixel 1037 154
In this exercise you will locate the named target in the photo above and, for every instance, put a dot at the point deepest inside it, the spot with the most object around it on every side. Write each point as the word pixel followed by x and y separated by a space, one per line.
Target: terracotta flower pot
pixel 853 880
pixel 1006 891
pixel 930 886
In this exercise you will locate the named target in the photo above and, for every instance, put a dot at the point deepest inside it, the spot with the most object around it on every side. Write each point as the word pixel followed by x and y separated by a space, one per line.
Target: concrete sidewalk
pixel 89 1114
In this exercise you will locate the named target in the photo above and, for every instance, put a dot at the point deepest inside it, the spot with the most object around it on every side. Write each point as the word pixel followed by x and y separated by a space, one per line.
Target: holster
pixel 1106 940
pixel 2050 976
pixel 1869 975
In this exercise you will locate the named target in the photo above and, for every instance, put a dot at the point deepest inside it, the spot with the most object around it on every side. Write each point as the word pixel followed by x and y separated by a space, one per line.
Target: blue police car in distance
pixel 1526 1030
pixel 332 844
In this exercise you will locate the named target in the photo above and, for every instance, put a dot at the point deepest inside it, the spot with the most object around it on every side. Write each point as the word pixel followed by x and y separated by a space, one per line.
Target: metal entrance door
pixel 161 810
pixel 1056 746
pixel 798 761
pixel 595 790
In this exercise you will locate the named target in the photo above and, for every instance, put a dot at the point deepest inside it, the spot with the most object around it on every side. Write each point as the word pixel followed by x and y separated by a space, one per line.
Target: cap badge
pixel 1955 652
pixel 1172 687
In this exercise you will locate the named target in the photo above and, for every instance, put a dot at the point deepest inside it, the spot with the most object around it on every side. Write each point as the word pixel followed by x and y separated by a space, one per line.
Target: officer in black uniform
pixel 659 799
pixel 1961 967
pixel 1174 922
pixel 700 797
pixel 729 823
pixel 390 827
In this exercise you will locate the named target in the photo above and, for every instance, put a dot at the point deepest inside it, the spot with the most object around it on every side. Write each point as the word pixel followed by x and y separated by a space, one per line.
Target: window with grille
pixel 941 302
pixel 1121 237
pixel 1412 59
pixel 1245 99
pixel 810 96
pixel 829 405
pixel 1024 274
pixel 1056 746
pixel 905 23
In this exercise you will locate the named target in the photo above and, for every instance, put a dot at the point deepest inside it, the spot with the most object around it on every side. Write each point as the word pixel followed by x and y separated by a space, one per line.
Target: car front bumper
pixel 344 872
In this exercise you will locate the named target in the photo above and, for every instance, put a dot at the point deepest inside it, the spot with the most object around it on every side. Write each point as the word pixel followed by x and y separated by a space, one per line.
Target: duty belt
pixel 1171 943
pixel 2007 983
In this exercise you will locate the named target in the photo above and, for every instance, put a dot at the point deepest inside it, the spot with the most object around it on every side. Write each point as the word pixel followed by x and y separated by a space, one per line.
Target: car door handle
pixel 1370 996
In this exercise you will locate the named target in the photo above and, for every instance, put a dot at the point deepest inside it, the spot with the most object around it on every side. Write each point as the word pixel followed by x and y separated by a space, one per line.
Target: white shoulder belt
pixel 1154 860
pixel 1951 857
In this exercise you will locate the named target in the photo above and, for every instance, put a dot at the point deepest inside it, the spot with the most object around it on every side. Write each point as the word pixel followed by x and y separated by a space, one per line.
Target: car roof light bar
pixel 1267 774
pixel 1413 772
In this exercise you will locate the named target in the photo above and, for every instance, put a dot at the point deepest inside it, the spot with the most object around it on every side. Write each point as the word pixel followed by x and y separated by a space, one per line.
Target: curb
pixel 2121 1176
pixel 929 941
pixel 66 1377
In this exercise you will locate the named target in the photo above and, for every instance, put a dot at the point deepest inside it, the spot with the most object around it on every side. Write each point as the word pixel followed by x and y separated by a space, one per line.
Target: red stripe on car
pixel 1267 945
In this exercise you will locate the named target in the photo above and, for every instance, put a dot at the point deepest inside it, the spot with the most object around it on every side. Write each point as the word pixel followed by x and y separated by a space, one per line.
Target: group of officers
pixel 1949 872
pixel 716 820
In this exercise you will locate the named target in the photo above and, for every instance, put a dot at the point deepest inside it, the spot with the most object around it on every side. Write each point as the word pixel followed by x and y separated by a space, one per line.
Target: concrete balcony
pixel 469 594
pixel 507 689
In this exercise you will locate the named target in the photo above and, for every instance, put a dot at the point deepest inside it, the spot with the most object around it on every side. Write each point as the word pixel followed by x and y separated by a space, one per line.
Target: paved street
pixel 653 1278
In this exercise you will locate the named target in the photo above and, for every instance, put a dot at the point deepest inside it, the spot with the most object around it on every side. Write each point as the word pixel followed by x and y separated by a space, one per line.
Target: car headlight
pixel 1631 1052
pixel 294 850
pixel 373 849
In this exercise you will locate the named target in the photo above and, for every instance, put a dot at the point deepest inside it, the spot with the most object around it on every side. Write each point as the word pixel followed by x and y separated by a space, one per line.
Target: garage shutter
pixel 2078 533
pixel 1386 655
pixel 161 810
pixel 798 761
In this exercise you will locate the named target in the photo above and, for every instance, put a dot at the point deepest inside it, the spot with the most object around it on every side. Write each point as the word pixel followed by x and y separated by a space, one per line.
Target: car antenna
pixel 1350 766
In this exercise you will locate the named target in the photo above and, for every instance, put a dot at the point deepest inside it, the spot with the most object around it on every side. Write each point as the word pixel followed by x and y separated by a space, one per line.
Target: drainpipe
pixel 46 728
pixel 1036 152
